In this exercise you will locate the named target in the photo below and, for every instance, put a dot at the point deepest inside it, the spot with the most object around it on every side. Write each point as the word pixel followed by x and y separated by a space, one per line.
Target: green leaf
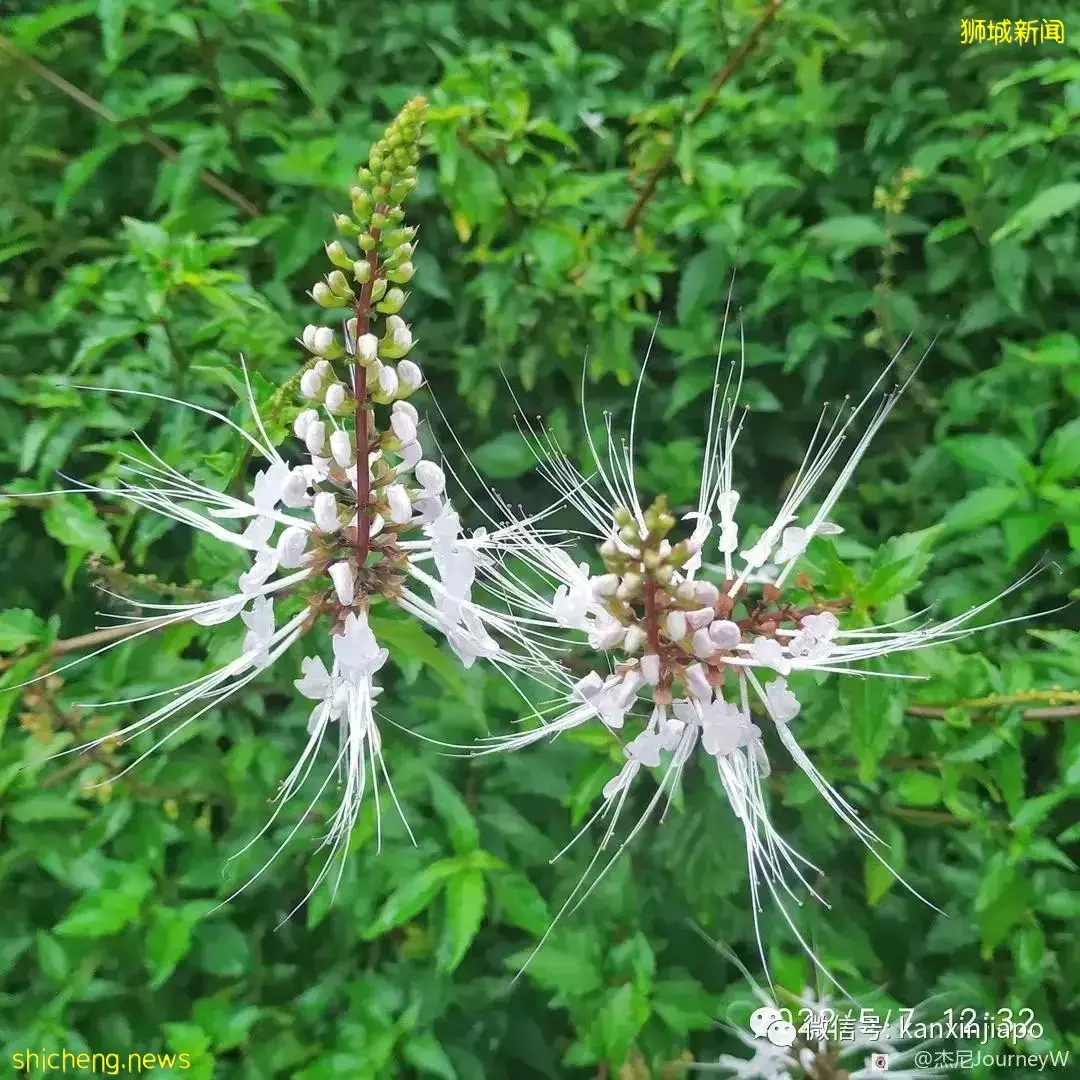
pixel 980 508
pixel 852 231
pixel 450 806
pixel 684 1005
pixel 1044 208
pixel 424 1054
pixel 993 456
pixel 18 627
pixel 107 910
pixel 408 639
pixel 45 806
pixel 504 457
pixel 416 894
pixel 1024 530
pixel 623 1014
pixel 1061 455
pixel 111 14
pixel 169 939
pixel 701 284
pixel 72 520
pixel 465 898
pixel 520 902
pixel 898 566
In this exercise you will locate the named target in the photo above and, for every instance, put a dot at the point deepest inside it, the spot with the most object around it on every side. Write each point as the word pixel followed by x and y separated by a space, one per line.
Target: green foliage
pixel 867 177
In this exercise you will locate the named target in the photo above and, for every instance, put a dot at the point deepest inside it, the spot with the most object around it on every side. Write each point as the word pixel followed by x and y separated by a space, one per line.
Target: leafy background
pixel 168 176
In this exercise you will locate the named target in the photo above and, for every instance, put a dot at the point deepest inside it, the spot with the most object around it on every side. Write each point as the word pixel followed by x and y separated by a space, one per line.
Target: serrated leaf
pixel 991 455
pixel 520 902
pixel 412 897
pixel 18 627
pixel 457 817
pixel 851 231
pixel 979 508
pixel 465 898
pixel 72 520
pixel 1044 208
pixel 1061 455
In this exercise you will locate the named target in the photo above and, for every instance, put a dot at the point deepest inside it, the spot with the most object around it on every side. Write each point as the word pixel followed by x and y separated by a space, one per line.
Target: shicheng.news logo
pixel 64 1061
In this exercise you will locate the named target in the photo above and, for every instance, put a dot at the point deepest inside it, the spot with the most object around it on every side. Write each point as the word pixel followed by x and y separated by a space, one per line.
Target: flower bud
pixel 325 512
pixel 366 242
pixel 336 253
pixel 634 639
pixel 344 578
pixel 697 683
pixel 400 504
pixel 430 477
pixel 308 337
pixel 341 448
pixel 410 377
pixel 378 290
pixel 701 617
pixel 323 369
pixel 405 407
pixel 725 634
pixel 675 625
pixel 361 271
pixel 335 397
pixel 290 547
pixel 702 644
pixel 392 302
pixel 323 341
pixel 706 593
pixel 367 349
pixel 311 384
pixel 294 491
pixel 339 285
pixel 386 383
pixel 315 438
pixel 304 421
pixel 403 426
pixel 321 294
pixel 345 225
pixel 605 586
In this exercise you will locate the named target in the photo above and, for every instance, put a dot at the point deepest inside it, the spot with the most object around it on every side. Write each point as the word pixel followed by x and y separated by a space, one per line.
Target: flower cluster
pixel 362 516
pixel 694 652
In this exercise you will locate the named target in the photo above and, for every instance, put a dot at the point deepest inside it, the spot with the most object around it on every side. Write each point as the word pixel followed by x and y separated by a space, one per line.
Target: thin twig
pixel 162 147
pixel 735 62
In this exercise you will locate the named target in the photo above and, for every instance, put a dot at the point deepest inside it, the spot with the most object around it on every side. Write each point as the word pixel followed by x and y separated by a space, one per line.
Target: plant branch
pixel 162 147
pixel 734 63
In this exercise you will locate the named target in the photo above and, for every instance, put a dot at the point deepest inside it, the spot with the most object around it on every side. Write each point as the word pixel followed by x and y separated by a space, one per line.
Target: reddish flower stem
pixel 362 309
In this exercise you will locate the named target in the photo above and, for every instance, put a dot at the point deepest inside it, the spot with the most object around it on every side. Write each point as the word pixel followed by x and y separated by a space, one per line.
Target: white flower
pixel 400 504
pixel 410 378
pixel 782 704
pixel 303 421
pixel 430 477
pixel 260 623
pixel 341 448
pixel 326 512
pixel 290 546
pixel 335 396
pixel 356 650
pixel 344 579
pixel 315 437
pixel 403 426
pixel 367 349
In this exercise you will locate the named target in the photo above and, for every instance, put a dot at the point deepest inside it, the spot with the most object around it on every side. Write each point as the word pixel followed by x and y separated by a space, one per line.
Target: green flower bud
pixel 392 303
pixel 378 290
pixel 339 285
pixel 403 274
pixel 378 221
pixel 366 241
pixel 345 225
pixel 336 253
pixel 322 296
pixel 361 270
